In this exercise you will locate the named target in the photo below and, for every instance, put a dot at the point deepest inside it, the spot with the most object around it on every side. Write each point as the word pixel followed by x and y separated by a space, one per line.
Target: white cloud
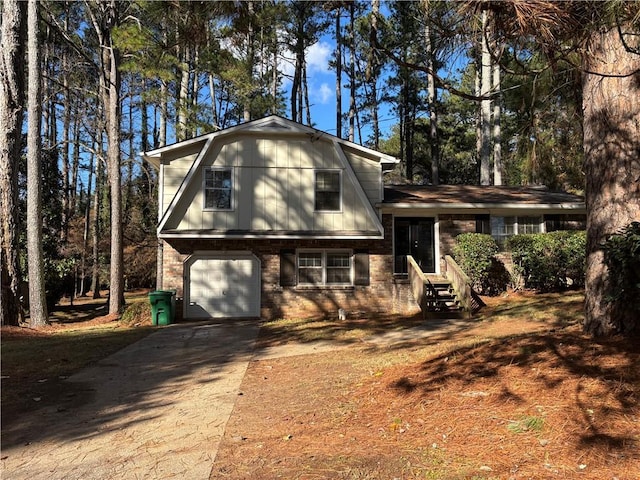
pixel 317 56
pixel 323 94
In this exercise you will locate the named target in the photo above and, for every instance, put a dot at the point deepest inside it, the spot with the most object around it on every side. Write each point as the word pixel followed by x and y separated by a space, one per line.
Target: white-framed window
pixel 504 227
pixel 325 267
pixel 218 188
pixel 328 190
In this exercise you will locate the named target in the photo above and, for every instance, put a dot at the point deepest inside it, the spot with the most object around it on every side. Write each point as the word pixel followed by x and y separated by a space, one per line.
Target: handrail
pixel 461 283
pixel 417 280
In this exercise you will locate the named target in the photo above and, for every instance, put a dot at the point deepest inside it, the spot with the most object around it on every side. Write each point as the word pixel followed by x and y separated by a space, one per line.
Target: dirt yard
pixel 522 394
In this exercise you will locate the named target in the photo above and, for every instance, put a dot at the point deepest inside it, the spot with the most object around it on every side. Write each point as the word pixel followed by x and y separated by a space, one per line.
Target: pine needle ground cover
pixel 522 394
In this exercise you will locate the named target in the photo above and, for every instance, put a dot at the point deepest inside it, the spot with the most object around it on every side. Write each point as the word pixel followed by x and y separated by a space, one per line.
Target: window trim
pixel 315 189
pixel 205 188
pixel 324 253
pixel 501 238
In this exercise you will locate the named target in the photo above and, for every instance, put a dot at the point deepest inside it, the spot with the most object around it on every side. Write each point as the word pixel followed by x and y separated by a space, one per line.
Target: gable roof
pixel 271 124
pixel 478 196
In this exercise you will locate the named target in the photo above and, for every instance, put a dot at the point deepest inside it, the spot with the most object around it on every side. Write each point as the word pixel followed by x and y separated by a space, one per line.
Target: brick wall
pixel 172 268
pixel 382 295
pixel 450 227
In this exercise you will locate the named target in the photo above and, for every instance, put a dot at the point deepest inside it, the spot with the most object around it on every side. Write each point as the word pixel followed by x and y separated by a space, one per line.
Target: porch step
pixel 440 296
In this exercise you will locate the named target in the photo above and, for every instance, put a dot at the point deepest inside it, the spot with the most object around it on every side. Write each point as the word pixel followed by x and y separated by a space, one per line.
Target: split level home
pixel 272 219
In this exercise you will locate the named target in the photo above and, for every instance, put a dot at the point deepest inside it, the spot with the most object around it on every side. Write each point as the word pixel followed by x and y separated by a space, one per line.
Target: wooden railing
pixel 461 283
pixel 417 280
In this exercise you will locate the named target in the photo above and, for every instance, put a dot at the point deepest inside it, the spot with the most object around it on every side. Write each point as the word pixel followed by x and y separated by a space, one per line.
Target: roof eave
pixel 475 206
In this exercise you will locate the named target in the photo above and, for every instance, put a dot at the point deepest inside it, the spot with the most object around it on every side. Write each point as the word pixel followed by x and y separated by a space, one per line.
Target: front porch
pixel 449 293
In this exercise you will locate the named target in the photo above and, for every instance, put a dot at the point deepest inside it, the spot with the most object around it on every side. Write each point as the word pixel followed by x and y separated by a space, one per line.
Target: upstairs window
pixel 218 188
pixel 328 191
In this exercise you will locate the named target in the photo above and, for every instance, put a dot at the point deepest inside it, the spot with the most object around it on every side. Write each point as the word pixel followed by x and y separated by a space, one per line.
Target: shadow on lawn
pixel 79 312
pixel 546 360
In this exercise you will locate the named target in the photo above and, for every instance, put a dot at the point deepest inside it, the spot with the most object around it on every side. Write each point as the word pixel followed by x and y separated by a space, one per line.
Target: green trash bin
pixel 161 311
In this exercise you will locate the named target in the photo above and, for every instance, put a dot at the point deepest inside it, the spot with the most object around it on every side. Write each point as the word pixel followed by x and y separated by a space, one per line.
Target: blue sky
pixel 322 84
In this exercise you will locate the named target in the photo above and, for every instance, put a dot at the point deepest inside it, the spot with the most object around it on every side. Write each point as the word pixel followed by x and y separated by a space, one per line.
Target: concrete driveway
pixel 157 410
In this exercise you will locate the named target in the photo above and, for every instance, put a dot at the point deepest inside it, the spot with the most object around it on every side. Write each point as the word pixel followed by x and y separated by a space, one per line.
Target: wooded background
pixel 501 92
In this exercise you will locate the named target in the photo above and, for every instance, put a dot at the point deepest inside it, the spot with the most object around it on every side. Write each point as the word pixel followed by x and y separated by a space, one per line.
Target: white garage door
pixel 223 286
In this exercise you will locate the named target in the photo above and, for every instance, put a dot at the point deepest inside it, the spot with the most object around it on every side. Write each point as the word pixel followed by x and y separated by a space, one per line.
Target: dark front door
pixel 415 237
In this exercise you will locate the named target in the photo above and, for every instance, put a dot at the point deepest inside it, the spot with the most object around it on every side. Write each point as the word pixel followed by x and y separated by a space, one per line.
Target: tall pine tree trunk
pixel 12 34
pixel 85 233
pixel 497 131
pixel 373 72
pixel 338 59
pixel 110 95
pixel 432 108
pixel 485 104
pixel 352 71
pixel 37 299
pixel 611 107
pixel 111 99
pixel 95 275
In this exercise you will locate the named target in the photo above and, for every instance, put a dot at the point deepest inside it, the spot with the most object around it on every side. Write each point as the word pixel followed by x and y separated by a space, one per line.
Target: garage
pixel 222 286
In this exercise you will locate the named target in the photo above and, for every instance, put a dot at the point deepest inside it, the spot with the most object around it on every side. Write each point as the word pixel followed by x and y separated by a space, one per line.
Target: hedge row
pixel 545 261
pixel 550 261
pixel 475 253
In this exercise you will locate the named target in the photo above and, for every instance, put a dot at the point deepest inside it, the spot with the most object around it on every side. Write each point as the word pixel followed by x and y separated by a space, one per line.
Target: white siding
pixel 274 187
pixel 368 172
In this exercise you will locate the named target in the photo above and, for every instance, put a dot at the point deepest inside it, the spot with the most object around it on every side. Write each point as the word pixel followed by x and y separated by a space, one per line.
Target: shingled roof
pixel 478 195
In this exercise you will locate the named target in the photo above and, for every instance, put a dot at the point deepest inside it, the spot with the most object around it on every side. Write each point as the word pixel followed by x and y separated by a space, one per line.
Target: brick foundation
pixel 382 296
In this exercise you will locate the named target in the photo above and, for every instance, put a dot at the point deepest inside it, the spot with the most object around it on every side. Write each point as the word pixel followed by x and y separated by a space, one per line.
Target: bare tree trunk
pixel 485 105
pixel 95 276
pixel 352 72
pixel 164 108
pixel 12 33
pixel 110 94
pixel 338 55
pixel 112 105
pixel 66 141
pixel 37 300
pixel 195 89
pixel 373 76
pixel 85 234
pixel 183 98
pixel 164 114
pixel 250 58
pixel 75 163
pixel 497 132
pixel 305 88
pixel 144 117
pixel 611 106
pixel 432 105
pixel 274 80
pixel 296 86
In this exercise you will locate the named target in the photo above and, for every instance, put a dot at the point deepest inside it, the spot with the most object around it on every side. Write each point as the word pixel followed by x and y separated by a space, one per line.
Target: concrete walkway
pixel 158 410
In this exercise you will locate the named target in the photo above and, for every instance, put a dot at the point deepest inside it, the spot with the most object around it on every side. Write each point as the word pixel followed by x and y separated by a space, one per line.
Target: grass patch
pixel 526 424
pixel 36 363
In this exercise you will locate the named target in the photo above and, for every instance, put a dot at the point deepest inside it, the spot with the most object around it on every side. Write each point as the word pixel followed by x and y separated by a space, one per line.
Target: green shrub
pixel 58 280
pixel 622 256
pixel 549 261
pixel 475 252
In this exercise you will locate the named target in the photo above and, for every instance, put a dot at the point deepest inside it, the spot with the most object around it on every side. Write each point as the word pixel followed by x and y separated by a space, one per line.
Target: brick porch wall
pixel 382 296
pixel 450 227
